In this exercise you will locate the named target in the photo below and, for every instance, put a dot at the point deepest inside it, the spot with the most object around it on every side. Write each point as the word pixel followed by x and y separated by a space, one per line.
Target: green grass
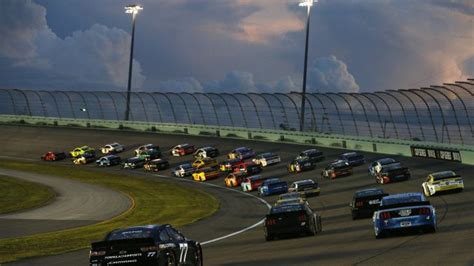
pixel 154 202
pixel 17 194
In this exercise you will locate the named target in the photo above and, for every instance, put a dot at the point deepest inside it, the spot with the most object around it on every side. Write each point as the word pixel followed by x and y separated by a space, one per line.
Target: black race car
pixel 313 155
pixel 134 162
pixel 146 245
pixel 295 218
pixel 392 173
pixel 365 202
pixel 156 165
pixel 300 165
pixel 108 160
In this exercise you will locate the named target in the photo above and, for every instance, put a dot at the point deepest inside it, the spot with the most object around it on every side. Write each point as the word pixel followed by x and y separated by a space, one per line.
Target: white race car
pixel 112 148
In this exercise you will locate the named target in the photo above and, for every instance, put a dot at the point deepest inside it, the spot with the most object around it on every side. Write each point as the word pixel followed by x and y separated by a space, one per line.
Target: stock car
pixel 267 158
pixel 273 186
pixel 252 183
pixel 249 168
pixel 377 165
pixel 145 148
pixel 53 156
pixel 206 173
pixel 183 170
pixel 234 179
pixel 112 148
pixel 182 149
pixel 206 152
pixel 365 202
pixel 300 165
pixel 205 162
pixel 290 195
pixel 404 212
pixel 392 173
pixel 85 158
pixel 288 219
pixel 442 182
pixel 150 154
pixel 134 162
pixel 108 160
pixel 306 188
pixel 353 158
pixel 313 155
pixel 81 150
pixel 146 245
pixel 242 153
pixel 156 165
pixel 228 165
pixel 336 169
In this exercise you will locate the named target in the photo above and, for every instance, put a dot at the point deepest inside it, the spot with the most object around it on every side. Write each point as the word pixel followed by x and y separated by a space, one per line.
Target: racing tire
pixel 170 259
pixel 319 226
pixel 426 193
pixel 268 237
pixel 198 258
pixel 380 235
pixel 312 229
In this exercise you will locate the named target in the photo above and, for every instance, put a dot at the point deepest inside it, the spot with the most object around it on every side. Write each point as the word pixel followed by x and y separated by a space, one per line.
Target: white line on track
pixel 237 191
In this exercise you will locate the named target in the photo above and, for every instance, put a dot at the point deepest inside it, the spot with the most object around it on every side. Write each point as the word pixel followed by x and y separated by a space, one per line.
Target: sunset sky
pixel 235 45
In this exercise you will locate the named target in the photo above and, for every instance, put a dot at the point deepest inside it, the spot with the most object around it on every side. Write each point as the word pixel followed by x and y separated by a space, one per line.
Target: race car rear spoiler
pixel 405 204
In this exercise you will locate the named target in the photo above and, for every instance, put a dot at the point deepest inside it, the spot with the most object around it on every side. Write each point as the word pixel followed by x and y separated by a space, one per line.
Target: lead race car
pixel 146 245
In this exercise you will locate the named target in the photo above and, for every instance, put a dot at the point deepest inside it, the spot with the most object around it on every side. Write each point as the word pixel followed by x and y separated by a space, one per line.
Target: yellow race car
pixel 84 159
pixel 82 150
pixel 442 182
pixel 205 162
pixel 206 174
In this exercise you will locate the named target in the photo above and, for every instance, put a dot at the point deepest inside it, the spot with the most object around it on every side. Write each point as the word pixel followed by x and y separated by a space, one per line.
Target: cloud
pixel 329 74
pixel 20 23
pixel 96 58
pixel 189 84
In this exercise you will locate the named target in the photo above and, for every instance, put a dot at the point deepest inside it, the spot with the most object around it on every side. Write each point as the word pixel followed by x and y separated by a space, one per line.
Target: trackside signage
pixel 441 154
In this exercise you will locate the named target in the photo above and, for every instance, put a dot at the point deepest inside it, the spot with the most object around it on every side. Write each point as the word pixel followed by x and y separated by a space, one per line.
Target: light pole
pixel 131 9
pixel 308 4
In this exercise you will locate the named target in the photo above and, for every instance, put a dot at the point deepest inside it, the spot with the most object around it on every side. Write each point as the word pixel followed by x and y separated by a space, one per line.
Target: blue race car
pixel 273 186
pixel 404 212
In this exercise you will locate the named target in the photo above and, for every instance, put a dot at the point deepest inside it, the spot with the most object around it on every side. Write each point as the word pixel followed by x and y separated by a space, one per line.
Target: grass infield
pixel 153 202
pixel 17 194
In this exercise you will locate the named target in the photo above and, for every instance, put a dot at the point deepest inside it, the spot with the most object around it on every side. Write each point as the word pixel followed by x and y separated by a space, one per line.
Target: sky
pixel 235 45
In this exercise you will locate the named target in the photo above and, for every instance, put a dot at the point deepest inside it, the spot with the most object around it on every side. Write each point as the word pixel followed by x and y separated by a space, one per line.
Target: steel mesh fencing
pixel 441 114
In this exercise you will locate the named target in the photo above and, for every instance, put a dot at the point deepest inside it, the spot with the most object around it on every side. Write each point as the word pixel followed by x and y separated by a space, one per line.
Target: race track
pixel 342 242
pixel 75 204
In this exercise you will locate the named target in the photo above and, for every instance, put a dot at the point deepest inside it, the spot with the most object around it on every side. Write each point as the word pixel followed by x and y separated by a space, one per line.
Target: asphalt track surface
pixel 342 242
pixel 75 204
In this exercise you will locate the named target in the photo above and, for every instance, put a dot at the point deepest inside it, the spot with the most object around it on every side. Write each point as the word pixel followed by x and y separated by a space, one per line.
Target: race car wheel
pixel 319 225
pixel 170 259
pixel 380 235
pixel 268 237
pixel 198 259
pixel 426 192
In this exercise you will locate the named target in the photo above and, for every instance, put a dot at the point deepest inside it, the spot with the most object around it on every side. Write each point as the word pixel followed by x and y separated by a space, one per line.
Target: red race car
pixel 182 150
pixel 53 156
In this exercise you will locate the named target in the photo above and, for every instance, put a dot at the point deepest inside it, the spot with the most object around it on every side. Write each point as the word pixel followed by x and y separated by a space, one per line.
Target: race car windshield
pixel 340 165
pixel 287 208
pixel 355 157
pixel 307 185
pixel 369 192
pixel 130 234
